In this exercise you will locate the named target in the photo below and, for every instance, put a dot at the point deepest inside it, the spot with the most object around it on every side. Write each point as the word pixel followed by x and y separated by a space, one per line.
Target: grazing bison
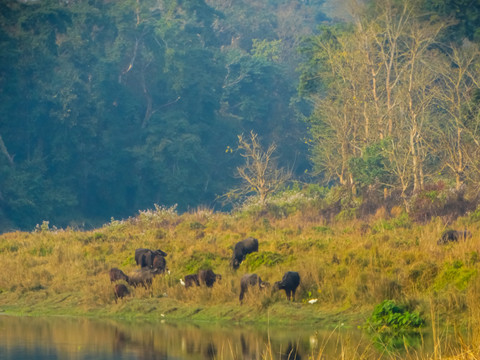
pixel 141 277
pixel 453 236
pixel 191 280
pixel 249 280
pixel 117 274
pixel 159 264
pixel 289 283
pixel 242 249
pixel 208 277
pixel 145 257
pixel 120 291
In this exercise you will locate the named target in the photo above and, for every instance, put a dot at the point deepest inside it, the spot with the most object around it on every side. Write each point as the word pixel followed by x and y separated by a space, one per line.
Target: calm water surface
pixel 77 338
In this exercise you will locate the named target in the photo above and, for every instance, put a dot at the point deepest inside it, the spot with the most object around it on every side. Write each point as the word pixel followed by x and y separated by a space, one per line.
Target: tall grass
pixel 348 266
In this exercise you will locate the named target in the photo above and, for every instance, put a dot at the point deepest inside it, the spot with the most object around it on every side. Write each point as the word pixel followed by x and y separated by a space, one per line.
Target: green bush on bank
pixel 392 325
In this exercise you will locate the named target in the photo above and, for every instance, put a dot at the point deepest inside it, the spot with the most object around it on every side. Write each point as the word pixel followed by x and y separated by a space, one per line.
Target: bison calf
pixel 208 277
pixel 117 274
pixel 191 280
pixel 120 291
pixel 249 280
pixel 159 264
pixel 142 277
pixel 242 249
pixel 289 283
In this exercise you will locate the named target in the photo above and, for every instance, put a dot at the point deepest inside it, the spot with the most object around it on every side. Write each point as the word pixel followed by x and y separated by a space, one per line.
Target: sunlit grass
pixel 348 267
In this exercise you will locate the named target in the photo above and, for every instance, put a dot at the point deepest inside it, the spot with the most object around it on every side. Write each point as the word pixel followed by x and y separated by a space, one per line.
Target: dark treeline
pixel 108 107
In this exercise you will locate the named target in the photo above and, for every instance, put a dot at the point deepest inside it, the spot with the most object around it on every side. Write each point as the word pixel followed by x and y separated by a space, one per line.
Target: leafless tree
pixel 260 173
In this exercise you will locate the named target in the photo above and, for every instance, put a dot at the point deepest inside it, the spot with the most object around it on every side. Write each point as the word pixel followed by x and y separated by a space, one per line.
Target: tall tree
pixel 374 82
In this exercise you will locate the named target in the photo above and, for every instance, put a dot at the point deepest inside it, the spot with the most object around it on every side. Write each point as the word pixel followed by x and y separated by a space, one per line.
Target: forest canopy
pixel 109 107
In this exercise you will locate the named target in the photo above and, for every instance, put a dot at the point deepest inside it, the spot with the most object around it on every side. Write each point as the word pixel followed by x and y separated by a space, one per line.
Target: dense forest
pixel 108 107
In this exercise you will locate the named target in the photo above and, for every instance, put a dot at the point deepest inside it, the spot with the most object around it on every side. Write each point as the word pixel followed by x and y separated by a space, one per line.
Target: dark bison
pixel 191 280
pixel 249 280
pixel 159 264
pixel 453 236
pixel 208 277
pixel 242 249
pixel 117 274
pixel 145 257
pixel 289 283
pixel 120 291
pixel 141 277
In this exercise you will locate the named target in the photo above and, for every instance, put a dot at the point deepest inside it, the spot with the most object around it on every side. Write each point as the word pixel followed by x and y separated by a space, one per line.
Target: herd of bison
pixel 152 262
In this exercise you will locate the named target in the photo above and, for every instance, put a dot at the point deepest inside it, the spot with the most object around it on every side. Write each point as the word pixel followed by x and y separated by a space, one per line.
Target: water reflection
pixel 72 338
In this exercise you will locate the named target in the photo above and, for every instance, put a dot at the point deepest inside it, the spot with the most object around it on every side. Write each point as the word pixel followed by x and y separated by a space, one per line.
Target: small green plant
pixel 392 325
pixel 390 317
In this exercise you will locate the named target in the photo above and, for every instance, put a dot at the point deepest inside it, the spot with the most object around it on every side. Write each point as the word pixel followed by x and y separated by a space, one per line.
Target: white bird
pixel 312 301
pixel 182 282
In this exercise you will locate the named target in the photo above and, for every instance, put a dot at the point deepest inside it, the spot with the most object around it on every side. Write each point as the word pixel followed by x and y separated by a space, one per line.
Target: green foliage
pixel 125 104
pixel 391 317
pixel 323 229
pixel 392 325
pixel 284 203
pixel 42 251
pixel 316 191
pixel 265 258
pixel 199 261
pixel 455 274
pixel 474 216
pixel 267 49
pixel 465 13
pixel 401 221
pixel 372 166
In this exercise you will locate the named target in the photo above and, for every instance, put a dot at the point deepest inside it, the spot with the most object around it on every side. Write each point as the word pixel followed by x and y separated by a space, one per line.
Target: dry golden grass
pixel 346 266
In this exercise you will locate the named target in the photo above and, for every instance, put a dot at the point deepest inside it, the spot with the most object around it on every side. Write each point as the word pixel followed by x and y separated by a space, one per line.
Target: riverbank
pixel 346 268
pixel 153 309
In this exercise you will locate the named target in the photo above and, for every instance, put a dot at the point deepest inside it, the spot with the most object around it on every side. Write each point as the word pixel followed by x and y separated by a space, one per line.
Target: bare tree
pixel 417 90
pixel 459 131
pixel 260 173
pixel 379 86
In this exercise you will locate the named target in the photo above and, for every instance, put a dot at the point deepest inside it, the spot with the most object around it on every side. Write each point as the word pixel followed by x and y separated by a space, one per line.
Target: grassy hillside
pixel 348 266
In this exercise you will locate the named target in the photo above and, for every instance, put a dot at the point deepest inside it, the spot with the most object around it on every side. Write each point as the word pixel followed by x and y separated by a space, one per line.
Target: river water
pixel 85 338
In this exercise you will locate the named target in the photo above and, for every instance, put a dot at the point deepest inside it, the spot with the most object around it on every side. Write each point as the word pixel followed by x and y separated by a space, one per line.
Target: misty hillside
pixel 110 107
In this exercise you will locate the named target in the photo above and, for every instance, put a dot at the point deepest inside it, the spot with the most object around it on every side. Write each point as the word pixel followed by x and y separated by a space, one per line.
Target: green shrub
pixel 474 216
pixel 392 325
pixel 390 317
